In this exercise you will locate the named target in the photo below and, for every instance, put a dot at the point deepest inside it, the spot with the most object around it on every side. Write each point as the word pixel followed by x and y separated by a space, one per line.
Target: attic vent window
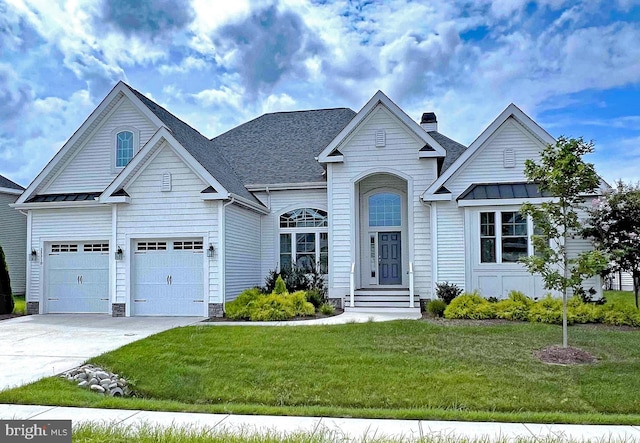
pixel 381 138
pixel 509 158
pixel 166 182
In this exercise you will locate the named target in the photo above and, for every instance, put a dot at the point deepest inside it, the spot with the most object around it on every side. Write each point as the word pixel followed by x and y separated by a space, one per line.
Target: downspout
pixel 222 237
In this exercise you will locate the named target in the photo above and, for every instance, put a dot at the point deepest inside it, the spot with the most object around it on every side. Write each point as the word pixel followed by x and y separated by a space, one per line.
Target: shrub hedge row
pixel 547 310
pixel 252 304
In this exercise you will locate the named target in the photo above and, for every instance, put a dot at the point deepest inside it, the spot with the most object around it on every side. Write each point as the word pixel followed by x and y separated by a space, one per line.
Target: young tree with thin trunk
pixel 614 224
pixel 562 174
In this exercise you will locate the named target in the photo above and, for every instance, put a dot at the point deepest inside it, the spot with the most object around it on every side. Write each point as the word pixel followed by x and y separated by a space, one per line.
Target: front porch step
pixel 382 299
pixel 414 312
pixel 383 304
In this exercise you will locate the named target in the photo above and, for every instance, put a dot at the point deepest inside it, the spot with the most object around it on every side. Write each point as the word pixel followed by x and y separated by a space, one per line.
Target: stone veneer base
pixel 118 309
pixel 33 308
pixel 216 310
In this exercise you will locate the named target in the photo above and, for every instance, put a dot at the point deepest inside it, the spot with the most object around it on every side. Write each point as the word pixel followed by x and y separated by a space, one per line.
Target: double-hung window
pixel 304 239
pixel 504 237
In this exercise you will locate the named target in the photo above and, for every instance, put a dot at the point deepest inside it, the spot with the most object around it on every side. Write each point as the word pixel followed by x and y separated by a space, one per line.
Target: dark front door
pixel 389 258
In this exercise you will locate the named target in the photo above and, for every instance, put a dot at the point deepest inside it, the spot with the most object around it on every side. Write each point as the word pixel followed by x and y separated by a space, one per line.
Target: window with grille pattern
pixel 152 246
pixel 189 245
pixel 96 247
pixel 64 247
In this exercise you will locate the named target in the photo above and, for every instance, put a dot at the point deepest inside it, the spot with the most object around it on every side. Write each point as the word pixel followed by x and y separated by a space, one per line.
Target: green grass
pixel 620 298
pixel 401 369
pixel 99 433
pixel 20 305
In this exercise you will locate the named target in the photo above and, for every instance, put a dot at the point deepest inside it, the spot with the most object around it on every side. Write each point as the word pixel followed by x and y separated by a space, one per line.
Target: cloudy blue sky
pixel 573 66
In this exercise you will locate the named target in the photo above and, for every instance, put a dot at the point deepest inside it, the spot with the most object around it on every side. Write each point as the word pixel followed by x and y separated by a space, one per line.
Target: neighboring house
pixel 13 234
pixel 140 214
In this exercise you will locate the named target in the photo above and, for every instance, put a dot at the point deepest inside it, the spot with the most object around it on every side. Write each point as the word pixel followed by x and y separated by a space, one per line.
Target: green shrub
pixel 272 307
pixel 301 307
pixel 315 298
pixel 447 291
pixel 327 309
pixel 436 307
pixel 620 315
pixel 547 310
pixel 583 312
pixel 470 306
pixel 6 299
pixel 240 308
pixel 516 307
pixel 280 288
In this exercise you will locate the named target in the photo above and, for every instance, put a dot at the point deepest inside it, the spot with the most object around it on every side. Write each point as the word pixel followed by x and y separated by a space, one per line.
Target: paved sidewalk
pixel 348 429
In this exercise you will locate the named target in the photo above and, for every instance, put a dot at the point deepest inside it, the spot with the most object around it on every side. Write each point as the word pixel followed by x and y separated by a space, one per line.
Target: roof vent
pixel 509 158
pixel 429 122
pixel 381 138
pixel 166 182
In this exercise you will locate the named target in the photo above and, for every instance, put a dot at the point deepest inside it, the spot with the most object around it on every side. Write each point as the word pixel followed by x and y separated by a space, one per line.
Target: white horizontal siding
pixel 92 168
pixel 487 166
pixel 398 157
pixel 179 213
pixel 279 202
pixel 242 251
pixel 13 239
pixel 63 225
pixel 451 244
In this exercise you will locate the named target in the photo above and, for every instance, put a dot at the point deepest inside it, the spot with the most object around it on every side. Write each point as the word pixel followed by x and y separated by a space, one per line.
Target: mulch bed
pixel 557 355
pixel 314 317
pixel 8 316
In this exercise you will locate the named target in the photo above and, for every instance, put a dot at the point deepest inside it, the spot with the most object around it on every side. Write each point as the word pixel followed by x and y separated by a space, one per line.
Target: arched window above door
pixel 385 209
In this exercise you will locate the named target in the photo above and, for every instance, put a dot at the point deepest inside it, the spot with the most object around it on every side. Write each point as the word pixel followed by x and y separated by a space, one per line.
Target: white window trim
pixel 498 237
pixel 316 230
pixel 293 231
pixel 114 145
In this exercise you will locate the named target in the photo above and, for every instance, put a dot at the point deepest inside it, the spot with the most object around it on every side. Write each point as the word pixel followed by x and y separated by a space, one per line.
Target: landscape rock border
pixel 98 380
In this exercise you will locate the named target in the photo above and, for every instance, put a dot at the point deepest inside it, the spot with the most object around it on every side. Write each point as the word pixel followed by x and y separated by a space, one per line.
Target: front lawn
pixel 401 369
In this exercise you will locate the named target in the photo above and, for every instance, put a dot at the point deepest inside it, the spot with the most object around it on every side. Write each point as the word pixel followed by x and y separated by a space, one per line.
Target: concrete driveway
pixel 36 346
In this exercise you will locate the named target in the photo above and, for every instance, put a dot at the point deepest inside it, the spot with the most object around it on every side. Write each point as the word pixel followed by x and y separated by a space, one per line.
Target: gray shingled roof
pixel 200 148
pixel 281 147
pixel 275 148
pixel 453 148
pixel 6 183
pixel 502 190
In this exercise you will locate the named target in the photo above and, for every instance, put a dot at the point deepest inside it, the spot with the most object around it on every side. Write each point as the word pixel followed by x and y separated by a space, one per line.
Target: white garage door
pixel 168 278
pixel 77 277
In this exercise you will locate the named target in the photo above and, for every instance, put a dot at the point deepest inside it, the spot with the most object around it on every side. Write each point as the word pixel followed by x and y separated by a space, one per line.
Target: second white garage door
pixel 168 278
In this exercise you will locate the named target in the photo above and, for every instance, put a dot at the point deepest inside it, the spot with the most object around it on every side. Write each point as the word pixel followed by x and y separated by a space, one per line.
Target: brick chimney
pixel 429 122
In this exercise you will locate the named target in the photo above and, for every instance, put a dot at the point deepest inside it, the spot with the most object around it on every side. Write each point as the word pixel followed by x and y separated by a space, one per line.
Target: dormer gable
pixel 427 146
pixel 88 161
pixel 498 153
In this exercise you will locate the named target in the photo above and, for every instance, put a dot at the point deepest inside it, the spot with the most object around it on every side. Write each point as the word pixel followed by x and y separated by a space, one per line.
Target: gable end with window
pixel 126 141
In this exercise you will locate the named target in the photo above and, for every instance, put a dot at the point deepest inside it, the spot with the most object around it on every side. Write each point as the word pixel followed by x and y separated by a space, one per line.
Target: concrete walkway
pixel 344 318
pixel 37 346
pixel 347 429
